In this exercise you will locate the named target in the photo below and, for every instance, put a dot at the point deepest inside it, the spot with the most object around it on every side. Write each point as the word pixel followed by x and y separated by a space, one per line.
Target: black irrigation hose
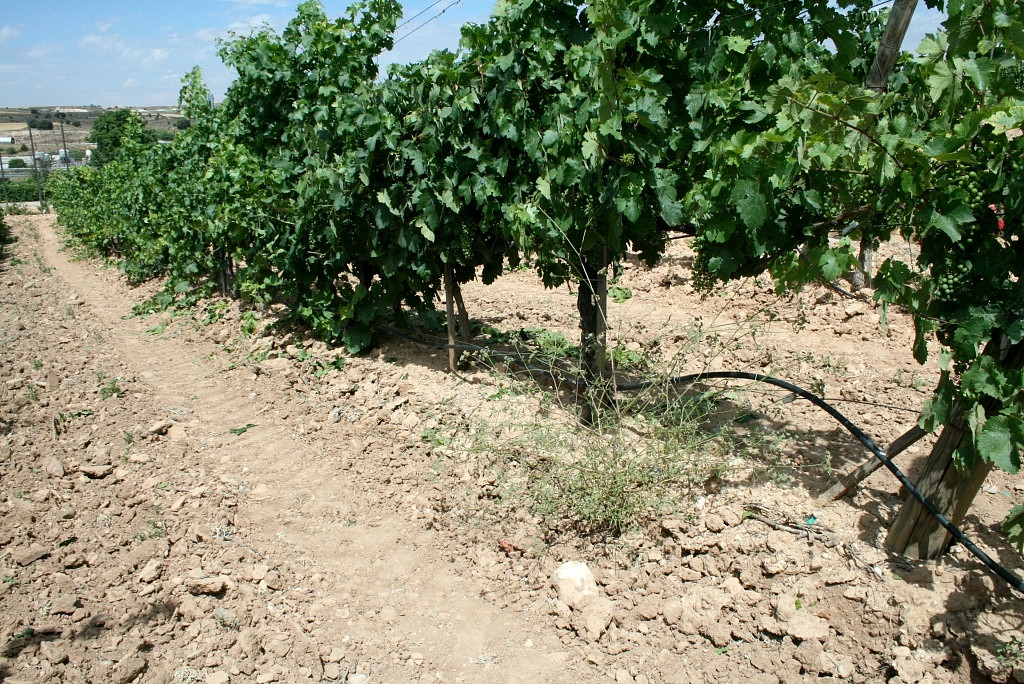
pixel 817 401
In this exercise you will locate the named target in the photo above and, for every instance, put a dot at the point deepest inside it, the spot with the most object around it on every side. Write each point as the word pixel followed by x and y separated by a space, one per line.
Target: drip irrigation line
pixel 817 401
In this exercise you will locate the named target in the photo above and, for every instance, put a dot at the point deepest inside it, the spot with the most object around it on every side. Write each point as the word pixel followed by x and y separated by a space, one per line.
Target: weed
pixel 1011 653
pixel 37 364
pixel 215 311
pixel 42 265
pixel 431 436
pixel 619 294
pixel 158 329
pixel 10 580
pixel 912 380
pixel 32 393
pixel 228 621
pixel 186 675
pixel 156 530
pixel 111 389
pixel 128 436
pixel 250 323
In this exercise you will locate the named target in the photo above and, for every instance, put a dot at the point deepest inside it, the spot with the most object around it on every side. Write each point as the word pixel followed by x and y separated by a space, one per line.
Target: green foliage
pixel 19 191
pixel 41 124
pixel 567 134
pixel 929 161
pixel 1013 526
pixel 17 163
pixel 114 130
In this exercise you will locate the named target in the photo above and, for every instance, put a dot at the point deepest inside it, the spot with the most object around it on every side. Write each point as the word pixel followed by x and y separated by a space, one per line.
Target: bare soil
pixel 183 503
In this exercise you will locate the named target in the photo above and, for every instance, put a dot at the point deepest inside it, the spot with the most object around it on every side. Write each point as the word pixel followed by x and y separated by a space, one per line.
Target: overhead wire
pixel 447 7
pixel 419 14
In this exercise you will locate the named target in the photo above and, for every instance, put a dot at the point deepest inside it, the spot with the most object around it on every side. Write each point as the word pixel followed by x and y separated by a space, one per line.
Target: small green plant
pixel 242 430
pixel 128 436
pixel 215 311
pixel 158 329
pixel 155 530
pixel 37 364
pixel 32 393
pixel 10 580
pixel 1010 653
pixel 250 323
pixel 619 294
pixel 111 389
pixel 228 621
pixel 325 367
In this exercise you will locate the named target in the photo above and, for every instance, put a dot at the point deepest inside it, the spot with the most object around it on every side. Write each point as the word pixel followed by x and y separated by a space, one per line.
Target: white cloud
pixel 40 52
pixel 258 21
pixel 129 83
pixel 105 25
pixel 8 33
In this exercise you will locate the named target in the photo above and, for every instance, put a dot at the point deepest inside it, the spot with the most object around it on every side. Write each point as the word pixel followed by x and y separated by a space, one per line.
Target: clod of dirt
pixel 574 582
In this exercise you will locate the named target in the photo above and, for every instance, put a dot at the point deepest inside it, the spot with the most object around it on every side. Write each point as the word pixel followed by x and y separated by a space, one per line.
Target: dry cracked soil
pixel 206 496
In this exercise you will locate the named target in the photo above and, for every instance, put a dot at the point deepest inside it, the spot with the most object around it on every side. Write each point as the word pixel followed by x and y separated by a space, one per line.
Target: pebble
pixel 30 555
pixel 205 585
pixel 54 467
pixel 96 472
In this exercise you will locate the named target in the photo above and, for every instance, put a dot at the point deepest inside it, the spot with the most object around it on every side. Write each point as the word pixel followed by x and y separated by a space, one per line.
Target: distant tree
pixel 76 124
pixel 112 129
pixel 41 124
pixel 34 111
pixel 182 124
pixel 23 148
pixel 17 163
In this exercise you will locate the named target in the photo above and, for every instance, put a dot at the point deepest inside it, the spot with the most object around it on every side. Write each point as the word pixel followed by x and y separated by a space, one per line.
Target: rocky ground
pixel 204 497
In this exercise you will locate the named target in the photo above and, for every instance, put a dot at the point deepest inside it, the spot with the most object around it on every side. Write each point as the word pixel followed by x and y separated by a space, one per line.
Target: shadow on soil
pixel 89 630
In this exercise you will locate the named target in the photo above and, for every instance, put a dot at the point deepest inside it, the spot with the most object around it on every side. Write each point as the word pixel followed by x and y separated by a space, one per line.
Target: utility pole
pixel 885 59
pixel 67 152
pixel 35 168
pixel 3 178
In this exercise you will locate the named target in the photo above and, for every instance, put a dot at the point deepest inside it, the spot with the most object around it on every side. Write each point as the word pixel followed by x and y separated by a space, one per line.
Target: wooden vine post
pixel 885 59
pixel 915 532
pixel 449 304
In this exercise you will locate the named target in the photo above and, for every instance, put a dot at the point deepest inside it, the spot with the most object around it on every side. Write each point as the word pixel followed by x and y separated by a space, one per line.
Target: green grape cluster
pixel 969 185
pixel 952 281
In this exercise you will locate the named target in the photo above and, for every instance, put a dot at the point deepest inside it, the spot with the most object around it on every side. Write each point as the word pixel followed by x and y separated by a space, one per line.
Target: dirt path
pixel 372 570
pixel 184 501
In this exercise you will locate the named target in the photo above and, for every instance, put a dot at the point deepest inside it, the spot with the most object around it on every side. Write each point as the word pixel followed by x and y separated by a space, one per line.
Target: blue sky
pixel 135 52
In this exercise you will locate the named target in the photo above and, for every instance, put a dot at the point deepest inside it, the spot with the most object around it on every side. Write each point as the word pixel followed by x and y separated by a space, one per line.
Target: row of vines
pixel 564 135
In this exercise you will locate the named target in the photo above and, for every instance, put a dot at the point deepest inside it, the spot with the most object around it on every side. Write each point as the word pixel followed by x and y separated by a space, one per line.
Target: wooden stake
pixel 449 301
pixel 859 474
